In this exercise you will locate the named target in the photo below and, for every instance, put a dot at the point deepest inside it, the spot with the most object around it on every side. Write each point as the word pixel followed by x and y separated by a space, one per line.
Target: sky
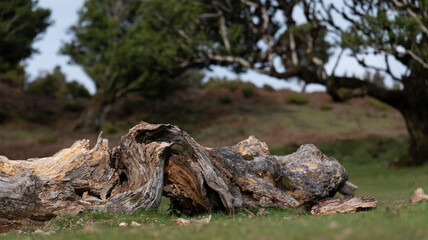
pixel 64 14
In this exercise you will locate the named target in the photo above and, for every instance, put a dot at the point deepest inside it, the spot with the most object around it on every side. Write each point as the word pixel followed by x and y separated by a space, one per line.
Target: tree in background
pixel 396 30
pixel 264 36
pixel 21 21
pixel 14 77
pixel 124 48
pixel 376 78
pixel 55 85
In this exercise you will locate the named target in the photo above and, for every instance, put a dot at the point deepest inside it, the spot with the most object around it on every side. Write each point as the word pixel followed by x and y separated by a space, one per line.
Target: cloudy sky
pixel 64 14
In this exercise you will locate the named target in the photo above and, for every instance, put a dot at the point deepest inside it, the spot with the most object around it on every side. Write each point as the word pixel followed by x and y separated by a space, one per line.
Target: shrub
pixel 216 83
pixel 344 93
pixel 248 89
pixel 268 87
pixel 225 99
pixel 54 85
pixel 75 90
pixel 15 77
pixel 298 99
pixel 326 107
pixel 4 116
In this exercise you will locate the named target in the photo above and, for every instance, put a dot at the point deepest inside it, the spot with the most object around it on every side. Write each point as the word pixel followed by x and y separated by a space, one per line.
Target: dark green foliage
pixel 268 87
pixel 123 53
pixel 48 84
pixel 76 90
pixel 191 78
pixel 218 83
pixel 21 21
pixel 248 89
pixel 225 99
pixel 126 47
pixel 54 85
pixel 296 98
pixel 15 77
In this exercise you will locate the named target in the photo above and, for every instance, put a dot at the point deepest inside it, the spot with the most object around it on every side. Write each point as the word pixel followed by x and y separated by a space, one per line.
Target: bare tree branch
pixel 417 58
pixel 337 62
pixel 405 5
pixel 223 31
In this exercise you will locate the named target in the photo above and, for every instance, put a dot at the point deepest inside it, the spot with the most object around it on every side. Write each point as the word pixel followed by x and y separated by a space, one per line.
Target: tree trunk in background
pixel 414 110
pixel 94 115
pixel 418 142
pixel 155 160
pixel 416 118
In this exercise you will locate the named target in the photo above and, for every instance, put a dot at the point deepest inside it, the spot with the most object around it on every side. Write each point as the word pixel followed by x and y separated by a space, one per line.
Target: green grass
pixel 265 121
pixel 379 104
pixel 298 99
pixel 366 161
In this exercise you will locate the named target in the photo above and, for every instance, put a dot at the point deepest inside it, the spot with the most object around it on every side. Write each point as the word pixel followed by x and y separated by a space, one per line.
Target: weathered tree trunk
pixel 415 113
pixel 417 126
pixel 161 160
pixel 39 189
pixel 93 117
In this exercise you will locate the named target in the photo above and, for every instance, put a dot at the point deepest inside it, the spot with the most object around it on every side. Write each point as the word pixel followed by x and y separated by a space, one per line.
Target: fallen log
pixel 155 160
pixel 343 205
pixel 39 189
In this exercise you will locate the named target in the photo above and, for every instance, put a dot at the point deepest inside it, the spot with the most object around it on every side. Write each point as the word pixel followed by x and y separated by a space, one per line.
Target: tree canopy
pixel 21 21
pixel 270 38
pixel 55 85
pixel 146 46
pixel 123 47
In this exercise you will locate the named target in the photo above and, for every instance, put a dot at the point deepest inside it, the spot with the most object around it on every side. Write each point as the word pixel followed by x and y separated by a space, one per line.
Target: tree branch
pixel 223 31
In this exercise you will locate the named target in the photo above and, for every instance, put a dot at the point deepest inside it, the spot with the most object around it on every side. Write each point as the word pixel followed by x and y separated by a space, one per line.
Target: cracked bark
pixel 155 160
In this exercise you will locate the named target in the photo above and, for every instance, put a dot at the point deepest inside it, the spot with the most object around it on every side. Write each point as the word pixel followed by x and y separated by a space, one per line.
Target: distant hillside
pixel 214 116
pixel 217 117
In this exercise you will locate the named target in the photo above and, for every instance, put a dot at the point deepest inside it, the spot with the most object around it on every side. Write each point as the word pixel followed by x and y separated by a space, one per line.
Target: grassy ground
pixel 366 160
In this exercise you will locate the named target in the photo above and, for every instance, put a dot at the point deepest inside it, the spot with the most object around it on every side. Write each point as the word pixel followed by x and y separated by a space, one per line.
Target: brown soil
pixel 194 110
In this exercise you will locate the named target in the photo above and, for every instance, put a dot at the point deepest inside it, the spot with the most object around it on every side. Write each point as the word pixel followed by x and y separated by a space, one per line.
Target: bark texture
pixel 155 160
pixel 39 189
pixel 344 205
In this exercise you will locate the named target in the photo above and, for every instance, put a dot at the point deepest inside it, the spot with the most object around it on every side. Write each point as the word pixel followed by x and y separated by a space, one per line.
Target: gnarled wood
pixel 155 160
pixel 39 189
pixel 343 205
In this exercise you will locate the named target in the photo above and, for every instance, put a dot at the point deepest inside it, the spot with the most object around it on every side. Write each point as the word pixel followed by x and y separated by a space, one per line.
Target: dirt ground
pixel 37 126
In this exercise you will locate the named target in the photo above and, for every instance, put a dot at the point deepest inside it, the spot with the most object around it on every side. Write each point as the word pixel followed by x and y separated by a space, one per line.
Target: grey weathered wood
pixel 39 189
pixel 155 160
pixel 343 205
pixel 348 189
pixel 311 175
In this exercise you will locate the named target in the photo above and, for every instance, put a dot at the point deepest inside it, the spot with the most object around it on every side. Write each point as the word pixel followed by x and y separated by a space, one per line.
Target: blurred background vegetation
pixel 147 61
